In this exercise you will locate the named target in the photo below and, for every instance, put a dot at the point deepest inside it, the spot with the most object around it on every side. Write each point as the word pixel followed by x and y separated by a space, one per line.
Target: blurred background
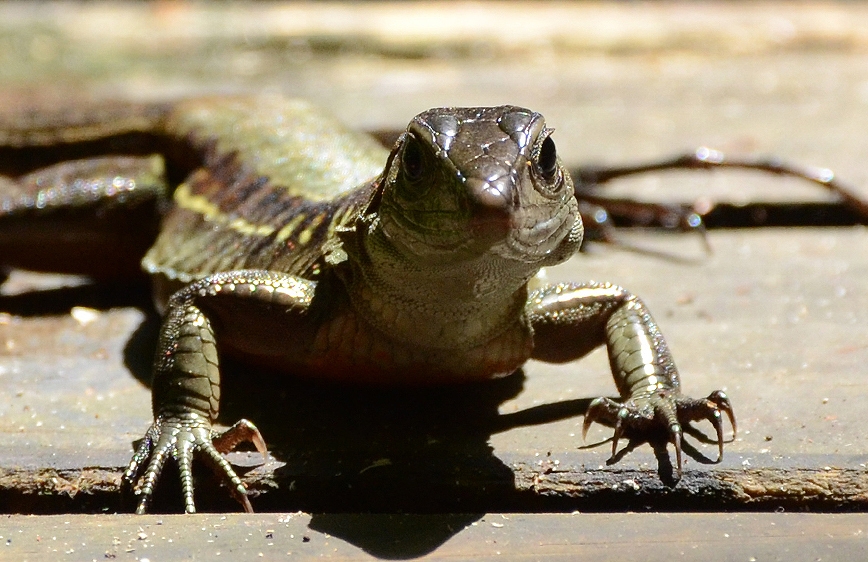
pixel 619 80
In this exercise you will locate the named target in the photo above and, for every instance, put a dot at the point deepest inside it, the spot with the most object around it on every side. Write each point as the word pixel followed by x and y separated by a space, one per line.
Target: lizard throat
pixel 442 306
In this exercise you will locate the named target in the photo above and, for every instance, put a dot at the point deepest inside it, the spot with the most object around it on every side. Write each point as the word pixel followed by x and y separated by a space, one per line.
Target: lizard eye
pixel 415 171
pixel 412 160
pixel 547 160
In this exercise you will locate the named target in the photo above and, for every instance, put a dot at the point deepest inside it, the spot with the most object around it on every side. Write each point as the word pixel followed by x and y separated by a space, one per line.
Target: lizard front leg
pixel 570 320
pixel 186 383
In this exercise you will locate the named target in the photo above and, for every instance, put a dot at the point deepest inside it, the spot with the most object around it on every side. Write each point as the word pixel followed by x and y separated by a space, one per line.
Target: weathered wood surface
pixel 779 318
pixel 580 537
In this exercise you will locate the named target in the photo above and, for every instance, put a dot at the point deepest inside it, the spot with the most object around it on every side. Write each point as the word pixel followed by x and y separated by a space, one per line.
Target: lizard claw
pixel 676 435
pixel 644 417
pixel 616 436
pixel 718 402
pixel 180 437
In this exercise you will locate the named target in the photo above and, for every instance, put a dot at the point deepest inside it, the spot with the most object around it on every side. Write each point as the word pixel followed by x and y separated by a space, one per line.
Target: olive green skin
pixel 298 245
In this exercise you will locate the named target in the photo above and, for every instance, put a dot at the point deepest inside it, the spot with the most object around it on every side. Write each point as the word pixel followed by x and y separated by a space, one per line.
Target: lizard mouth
pixel 518 236
pixel 535 239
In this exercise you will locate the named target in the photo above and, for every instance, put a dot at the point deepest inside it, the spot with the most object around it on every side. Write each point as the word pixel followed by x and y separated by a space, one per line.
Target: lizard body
pixel 298 245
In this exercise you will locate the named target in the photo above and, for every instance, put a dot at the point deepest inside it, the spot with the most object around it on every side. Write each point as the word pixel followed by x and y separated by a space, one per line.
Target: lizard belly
pixel 349 349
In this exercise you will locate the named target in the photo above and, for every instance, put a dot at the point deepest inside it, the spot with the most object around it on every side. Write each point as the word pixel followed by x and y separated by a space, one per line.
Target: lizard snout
pixel 492 206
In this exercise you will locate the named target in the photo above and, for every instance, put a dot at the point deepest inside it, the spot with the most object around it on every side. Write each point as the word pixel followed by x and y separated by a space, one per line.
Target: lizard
pixel 274 234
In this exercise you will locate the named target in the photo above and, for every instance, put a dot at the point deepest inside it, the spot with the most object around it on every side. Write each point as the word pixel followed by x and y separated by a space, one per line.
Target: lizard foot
pixel 180 437
pixel 645 415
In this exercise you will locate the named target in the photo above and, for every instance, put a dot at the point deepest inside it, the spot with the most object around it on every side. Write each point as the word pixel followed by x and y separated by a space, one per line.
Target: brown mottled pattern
pixel 269 174
pixel 276 174
pixel 305 151
pixel 194 244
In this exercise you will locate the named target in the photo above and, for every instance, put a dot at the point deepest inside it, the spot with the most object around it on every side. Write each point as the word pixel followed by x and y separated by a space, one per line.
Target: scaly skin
pixel 290 245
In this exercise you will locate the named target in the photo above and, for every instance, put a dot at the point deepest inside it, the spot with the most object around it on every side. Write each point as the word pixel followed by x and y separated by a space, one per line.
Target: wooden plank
pixel 580 537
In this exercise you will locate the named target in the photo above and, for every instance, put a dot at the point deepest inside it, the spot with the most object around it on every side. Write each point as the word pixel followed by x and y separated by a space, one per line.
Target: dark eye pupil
pixel 412 161
pixel 548 159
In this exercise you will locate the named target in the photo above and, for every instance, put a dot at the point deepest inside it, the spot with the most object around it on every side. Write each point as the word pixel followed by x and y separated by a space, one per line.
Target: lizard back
pixel 276 179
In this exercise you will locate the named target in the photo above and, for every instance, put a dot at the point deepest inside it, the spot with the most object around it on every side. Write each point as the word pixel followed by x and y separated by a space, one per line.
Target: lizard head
pixel 463 183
